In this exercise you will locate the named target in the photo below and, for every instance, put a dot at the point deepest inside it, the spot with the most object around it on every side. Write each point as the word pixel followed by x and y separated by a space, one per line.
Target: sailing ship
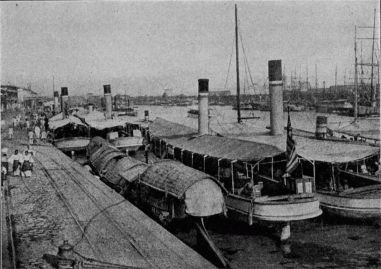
pixel 372 109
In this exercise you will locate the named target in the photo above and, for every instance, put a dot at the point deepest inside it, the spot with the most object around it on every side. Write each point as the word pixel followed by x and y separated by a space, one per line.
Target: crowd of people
pixel 36 126
pixel 20 163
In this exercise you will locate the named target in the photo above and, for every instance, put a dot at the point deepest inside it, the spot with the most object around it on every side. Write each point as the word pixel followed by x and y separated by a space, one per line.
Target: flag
pixel 292 158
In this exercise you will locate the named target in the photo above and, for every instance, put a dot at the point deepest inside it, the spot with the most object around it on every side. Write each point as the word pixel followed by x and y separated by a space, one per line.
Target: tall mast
pixel 356 82
pixel 237 66
pixel 336 81
pixel 307 78
pixel 53 84
pixel 316 77
pixel 371 74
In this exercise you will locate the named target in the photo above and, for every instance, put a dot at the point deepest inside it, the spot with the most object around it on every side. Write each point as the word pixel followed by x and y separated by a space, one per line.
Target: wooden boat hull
pixel 350 207
pixel 72 144
pixel 275 209
pixel 130 143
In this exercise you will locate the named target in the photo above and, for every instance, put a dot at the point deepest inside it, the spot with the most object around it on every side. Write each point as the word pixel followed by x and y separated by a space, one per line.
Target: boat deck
pixel 63 201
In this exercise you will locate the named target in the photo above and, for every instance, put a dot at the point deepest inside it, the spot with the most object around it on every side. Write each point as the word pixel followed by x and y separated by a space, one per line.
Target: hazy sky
pixel 144 47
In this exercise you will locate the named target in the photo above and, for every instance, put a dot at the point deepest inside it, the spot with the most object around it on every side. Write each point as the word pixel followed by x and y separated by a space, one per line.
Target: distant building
pixel 168 92
pixel 220 93
pixel 13 96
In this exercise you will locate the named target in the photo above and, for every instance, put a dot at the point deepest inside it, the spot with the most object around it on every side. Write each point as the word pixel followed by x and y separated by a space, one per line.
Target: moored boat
pixel 251 172
pixel 348 183
pixel 69 134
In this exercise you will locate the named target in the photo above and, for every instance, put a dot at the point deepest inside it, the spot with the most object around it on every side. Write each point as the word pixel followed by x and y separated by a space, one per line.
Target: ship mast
pixel 371 74
pixel 237 66
pixel 356 79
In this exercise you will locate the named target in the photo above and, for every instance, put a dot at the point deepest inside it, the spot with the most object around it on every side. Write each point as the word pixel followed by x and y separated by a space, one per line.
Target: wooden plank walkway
pixel 62 200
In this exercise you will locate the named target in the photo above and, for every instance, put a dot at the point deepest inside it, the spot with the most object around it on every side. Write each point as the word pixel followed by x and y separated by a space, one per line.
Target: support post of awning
pixel 218 168
pixel 160 148
pixel 204 161
pixel 192 159
pixel 314 173
pixel 232 174
pixel 182 152
pixel 272 167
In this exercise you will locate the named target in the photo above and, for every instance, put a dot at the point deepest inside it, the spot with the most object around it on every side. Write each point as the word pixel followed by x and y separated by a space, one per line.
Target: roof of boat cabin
pixel 62 122
pixel 103 124
pixel 184 137
pixel 168 129
pixel 321 150
pixel 173 177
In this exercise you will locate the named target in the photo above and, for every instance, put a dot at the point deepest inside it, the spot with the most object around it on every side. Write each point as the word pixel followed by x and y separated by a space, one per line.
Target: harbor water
pixel 324 242
pixel 223 119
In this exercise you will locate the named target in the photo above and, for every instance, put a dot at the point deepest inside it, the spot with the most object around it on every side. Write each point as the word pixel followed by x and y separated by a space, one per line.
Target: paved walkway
pixel 63 201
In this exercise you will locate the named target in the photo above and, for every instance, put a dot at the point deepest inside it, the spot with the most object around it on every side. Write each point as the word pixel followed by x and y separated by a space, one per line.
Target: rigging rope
pixel 230 61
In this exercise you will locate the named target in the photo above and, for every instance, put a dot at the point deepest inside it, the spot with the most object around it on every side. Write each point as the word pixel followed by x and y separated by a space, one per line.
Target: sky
pixel 142 48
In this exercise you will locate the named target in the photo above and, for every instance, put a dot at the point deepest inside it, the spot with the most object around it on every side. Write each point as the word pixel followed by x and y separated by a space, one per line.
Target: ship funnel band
pixel 275 70
pixel 56 94
pixel 276 83
pixel 107 89
pixel 64 91
pixel 203 85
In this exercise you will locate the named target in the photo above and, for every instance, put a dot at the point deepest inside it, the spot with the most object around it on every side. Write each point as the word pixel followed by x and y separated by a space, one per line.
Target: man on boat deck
pixel 15 161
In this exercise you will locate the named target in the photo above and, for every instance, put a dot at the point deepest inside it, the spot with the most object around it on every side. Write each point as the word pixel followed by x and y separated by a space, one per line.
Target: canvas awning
pixel 201 193
pixel 321 150
pixel 184 137
pixel 62 122
pixel 333 151
pixel 103 124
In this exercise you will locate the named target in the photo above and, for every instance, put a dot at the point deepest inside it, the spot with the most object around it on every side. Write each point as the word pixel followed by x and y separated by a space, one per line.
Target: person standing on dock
pixel 10 133
pixel 15 161
pixel 37 132
pixel 46 123
pixel 14 122
pixel 30 136
pixel 27 164
pixel 4 165
pixel 43 135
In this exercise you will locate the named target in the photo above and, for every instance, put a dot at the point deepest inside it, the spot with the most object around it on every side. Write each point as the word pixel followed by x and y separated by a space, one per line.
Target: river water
pixel 223 119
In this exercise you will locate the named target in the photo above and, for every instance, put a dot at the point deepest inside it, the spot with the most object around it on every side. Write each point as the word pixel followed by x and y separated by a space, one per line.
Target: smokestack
pixel 146 115
pixel 56 96
pixel 276 97
pixel 64 101
pixel 108 100
pixel 203 111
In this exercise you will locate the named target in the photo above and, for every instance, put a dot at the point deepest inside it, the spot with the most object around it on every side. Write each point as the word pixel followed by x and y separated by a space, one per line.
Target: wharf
pixel 64 201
